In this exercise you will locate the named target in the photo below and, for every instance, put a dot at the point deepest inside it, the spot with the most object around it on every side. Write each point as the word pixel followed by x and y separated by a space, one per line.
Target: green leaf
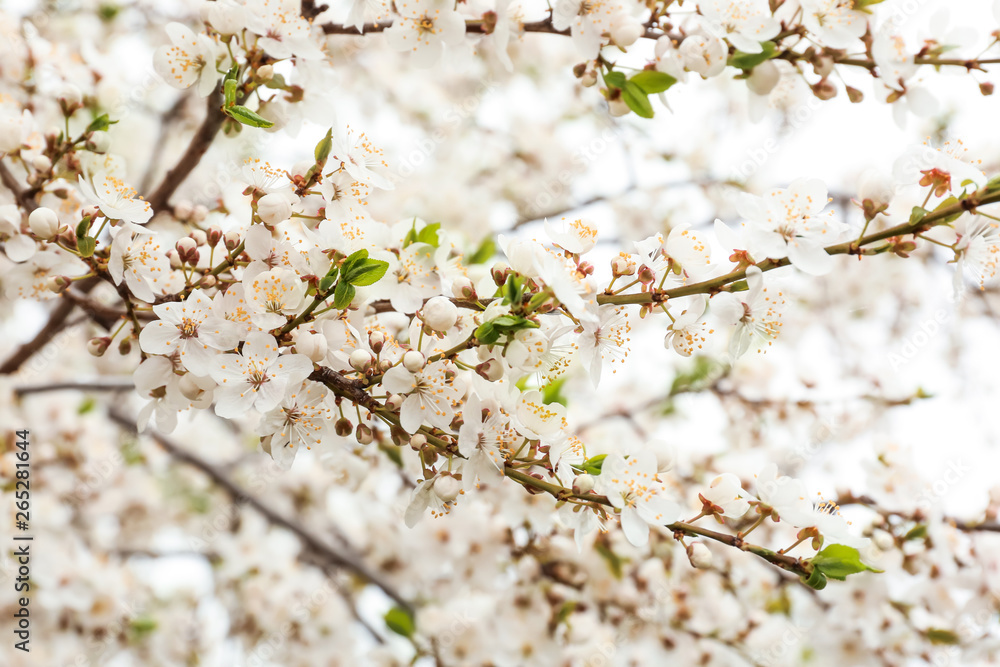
pixel 276 82
pixel 486 334
pixel 513 290
pixel 229 89
pixel 701 374
pixel 400 621
pixel 652 81
pixel 369 272
pixel 86 246
pixel 917 214
pixel 552 392
pixel 614 561
pixel 917 532
pixel 636 99
pixel 429 235
pixel 83 227
pixel 324 147
pixel 615 79
pixel 594 464
pixel 100 123
pixel 86 406
pixel 351 260
pixel 142 626
pixel 484 252
pixel 245 116
pixel 326 283
pixel 942 636
pixel 343 295
pixel 950 201
pixel 747 61
pixel 837 561
pixel 815 580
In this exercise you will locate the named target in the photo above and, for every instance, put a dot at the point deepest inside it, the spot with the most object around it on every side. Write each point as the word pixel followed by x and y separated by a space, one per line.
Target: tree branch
pixel 313 543
pixel 200 143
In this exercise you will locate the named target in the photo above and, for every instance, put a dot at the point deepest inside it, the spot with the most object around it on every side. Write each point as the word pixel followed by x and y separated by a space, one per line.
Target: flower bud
pixel 41 163
pixel 175 259
pixel 622 266
pixel 384 365
pixel 699 555
pixel 186 245
pixel 646 275
pixel 583 483
pixel 44 222
pixel 274 208
pixel 199 213
pixel 447 488
pixel 183 210
pixel 58 284
pixel 500 271
pixel 617 107
pixel 265 73
pixel 625 29
pixel 98 346
pixel 414 361
pixel 361 360
pixel 491 370
pixel 764 78
pixel 363 434
pixel 462 288
pixel 232 239
pixel 208 280
pixel 394 402
pixel 376 340
pixel 343 427
pixel 418 441
pixel 313 345
pixel 98 142
pixel 70 98
pixel 439 313
pixel 824 89
pixel 589 78
pixel 213 236
pixel 199 236
pixel 125 345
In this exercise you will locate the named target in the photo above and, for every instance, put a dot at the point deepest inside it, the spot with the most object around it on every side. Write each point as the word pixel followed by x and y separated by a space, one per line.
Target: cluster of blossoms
pixel 294 310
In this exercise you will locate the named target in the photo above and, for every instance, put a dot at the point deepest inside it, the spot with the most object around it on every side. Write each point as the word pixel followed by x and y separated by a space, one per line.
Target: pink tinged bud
pixel 439 313
pixel 588 79
pixel 462 288
pixel 394 402
pixel 265 73
pixel 364 435
pixel 186 245
pixel 71 96
pixel 499 273
pixel 361 360
pixel 274 208
pixel 385 364
pixel 414 361
pixel 214 235
pixel 312 345
pixel 618 107
pixel 200 213
pixel 646 275
pixel 44 222
pixel 200 237
pixel 98 346
pixel 699 555
pixel 209 281
pixel 491 370
pixel 343 427
pixel 418 441
pixel 447 488
pixel 183 210
pixel 583 483
pixel 232 240
pixel 376 340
